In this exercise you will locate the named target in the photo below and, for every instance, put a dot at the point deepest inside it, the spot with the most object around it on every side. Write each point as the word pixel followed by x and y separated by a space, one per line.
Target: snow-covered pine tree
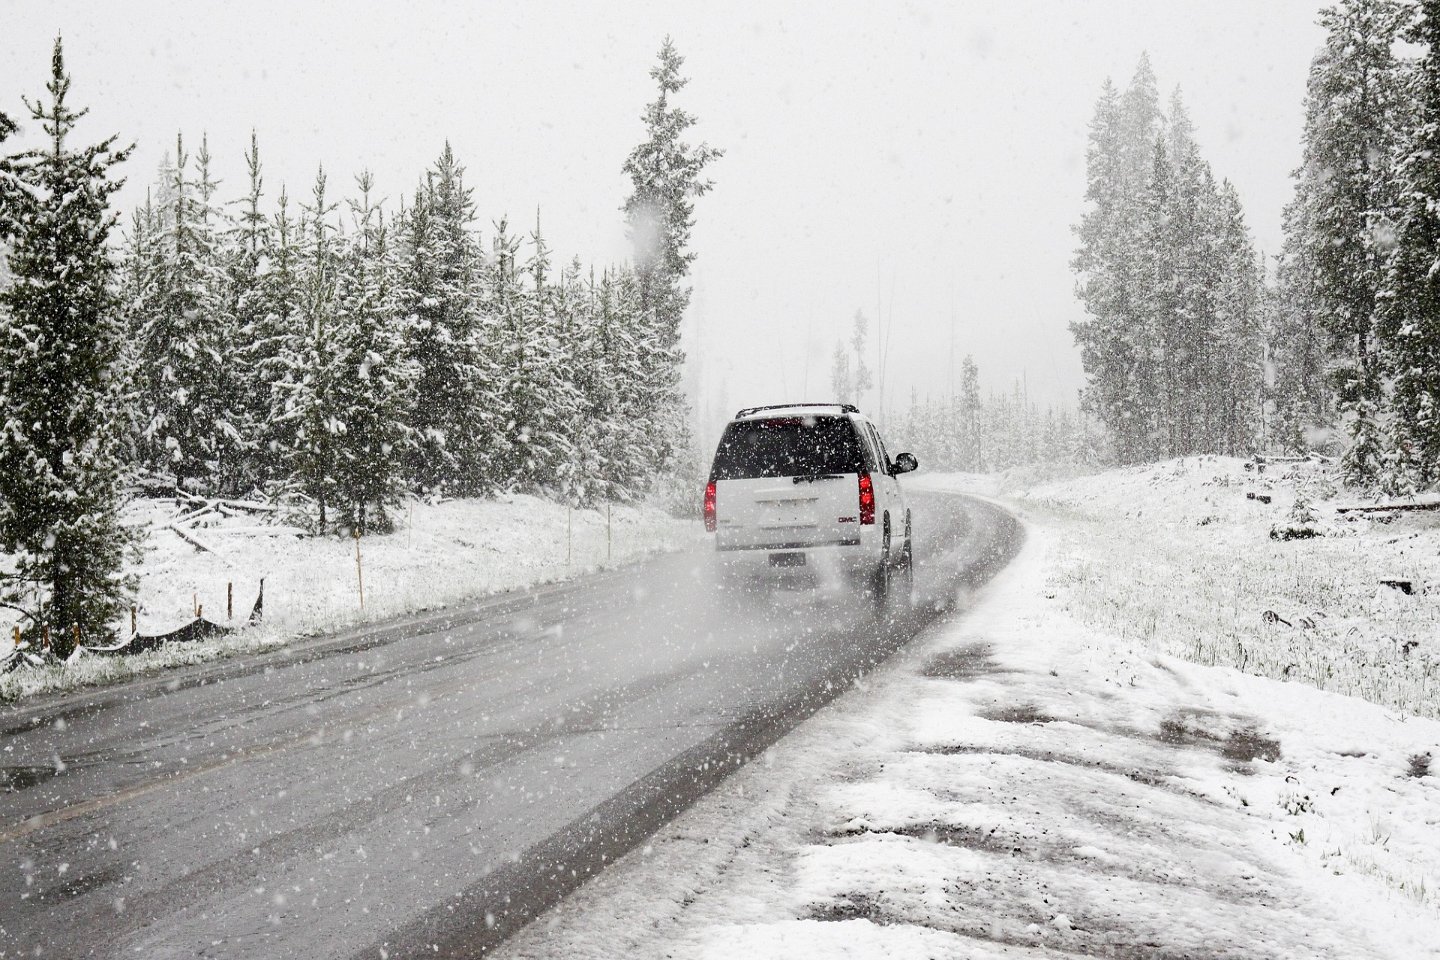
pixel 573 319
pixel 972 450
pixel 270 345
pixel 1192 380
pixel 1236 379
pixel 613 446
pixel 60 335
pixel 1298 392
pixel 537 388
pixel 842 379
pixel 454 417
pixel 1112 339
pixel 262 307
pixel 578 308
pixel 373 381
pixel 862 380
pixel 1410 312
pixel 138 268
pixel 1339 237
pixel 640 440
pixel 521 388
pixel 188 336
pixel 311 366
pixel 666 175
pixel 1152 338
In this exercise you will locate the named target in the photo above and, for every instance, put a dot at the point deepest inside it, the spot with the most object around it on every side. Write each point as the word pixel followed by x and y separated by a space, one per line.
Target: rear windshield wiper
pixel 819 476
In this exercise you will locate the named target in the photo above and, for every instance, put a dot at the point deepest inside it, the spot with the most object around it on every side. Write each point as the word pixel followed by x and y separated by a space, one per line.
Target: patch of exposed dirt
pixel 963 663
pixel 1021 713
pixel 1234 738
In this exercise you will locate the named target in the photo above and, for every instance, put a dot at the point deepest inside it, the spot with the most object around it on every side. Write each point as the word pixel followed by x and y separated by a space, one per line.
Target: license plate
pixel 787 559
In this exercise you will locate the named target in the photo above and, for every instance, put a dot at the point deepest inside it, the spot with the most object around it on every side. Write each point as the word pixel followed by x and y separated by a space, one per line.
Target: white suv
pixel 809 489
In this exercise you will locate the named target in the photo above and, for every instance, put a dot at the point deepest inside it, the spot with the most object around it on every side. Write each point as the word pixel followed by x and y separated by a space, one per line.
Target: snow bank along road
pixel 428 786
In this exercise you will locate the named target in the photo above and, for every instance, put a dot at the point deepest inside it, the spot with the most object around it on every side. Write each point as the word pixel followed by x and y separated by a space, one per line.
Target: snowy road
pixel 424 787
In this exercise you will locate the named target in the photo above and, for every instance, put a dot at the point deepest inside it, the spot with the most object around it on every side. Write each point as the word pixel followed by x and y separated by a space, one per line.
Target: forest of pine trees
pixel 1189 348
pixel 974 433
pixel 1173 290
pixel 1356 310
pixel 326 346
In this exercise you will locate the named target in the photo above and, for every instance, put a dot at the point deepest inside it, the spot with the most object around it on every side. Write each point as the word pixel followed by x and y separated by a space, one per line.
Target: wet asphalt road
pixel 425 787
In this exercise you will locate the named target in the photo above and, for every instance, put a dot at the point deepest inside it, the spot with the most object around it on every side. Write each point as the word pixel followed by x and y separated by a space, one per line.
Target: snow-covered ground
pixel 440 554
pixel 1180 555
pixel 1019 783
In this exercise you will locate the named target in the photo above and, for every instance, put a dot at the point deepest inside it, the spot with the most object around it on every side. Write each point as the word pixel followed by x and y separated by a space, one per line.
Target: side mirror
pixel 904 463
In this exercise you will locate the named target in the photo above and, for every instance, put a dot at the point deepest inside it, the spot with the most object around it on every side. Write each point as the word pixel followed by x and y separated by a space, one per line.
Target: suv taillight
pixel 710 507
pixel 867 499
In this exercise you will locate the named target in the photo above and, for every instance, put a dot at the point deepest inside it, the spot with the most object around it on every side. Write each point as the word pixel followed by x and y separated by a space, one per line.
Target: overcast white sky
pixel 917 155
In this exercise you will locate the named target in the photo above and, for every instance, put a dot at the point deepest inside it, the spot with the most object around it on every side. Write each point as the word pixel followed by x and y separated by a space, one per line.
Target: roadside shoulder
pixel 1016 783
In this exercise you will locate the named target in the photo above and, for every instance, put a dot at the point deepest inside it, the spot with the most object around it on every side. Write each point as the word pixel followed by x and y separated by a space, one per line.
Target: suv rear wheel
pixel 881 578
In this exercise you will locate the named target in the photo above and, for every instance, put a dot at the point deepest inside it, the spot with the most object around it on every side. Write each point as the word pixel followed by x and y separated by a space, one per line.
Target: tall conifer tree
pixel 372 386
pixel 1410 320
pixel 666 175
pixel 60 336
pixel 1339 231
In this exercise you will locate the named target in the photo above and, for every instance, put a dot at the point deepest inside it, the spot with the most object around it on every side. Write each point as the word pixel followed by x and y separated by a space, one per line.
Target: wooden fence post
pixel 230 600
pixel 607 532
pixel 359 570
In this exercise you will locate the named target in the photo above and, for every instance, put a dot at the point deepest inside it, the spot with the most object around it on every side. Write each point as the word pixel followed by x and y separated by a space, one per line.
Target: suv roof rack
pixel 745 412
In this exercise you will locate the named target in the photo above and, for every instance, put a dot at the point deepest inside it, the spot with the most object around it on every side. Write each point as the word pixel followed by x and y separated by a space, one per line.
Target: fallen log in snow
pixel 1386 507
pixel 275 530
pixel 191 539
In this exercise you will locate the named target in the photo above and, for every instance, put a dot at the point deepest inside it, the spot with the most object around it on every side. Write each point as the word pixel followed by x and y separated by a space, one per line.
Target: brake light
pixel 867 499
pixel 710 507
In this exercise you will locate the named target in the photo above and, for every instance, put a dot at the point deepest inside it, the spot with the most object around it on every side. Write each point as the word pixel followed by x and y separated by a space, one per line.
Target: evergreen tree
pixel 1236 370
pixel 531 444
pixel 60 336
pixel 187 336
pixel 1168 277
pixel 862 381
pixel 372 385
pixel 1112 337
pixel 261 303
pixel 454 418
pixel 273 337
pixel 1410 319
pixel 138 265
pixel 311 365
pixel 842 380
pixel 666 175
pixel 1153 333
pixel 1339 232
pixel 1298 351
pixel 970 450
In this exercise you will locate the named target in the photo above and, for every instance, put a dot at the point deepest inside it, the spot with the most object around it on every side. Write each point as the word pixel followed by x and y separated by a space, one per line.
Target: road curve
pixel 427 786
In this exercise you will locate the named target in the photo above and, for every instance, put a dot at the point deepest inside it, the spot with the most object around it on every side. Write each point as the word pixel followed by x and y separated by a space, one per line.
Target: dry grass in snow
pixel 1179 556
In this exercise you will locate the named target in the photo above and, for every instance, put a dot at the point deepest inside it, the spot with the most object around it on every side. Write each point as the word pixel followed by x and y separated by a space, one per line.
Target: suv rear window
pixel 787 447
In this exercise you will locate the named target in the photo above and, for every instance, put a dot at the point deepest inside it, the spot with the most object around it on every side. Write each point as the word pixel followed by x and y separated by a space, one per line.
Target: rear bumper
pixel 738 548
pixel 787 560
